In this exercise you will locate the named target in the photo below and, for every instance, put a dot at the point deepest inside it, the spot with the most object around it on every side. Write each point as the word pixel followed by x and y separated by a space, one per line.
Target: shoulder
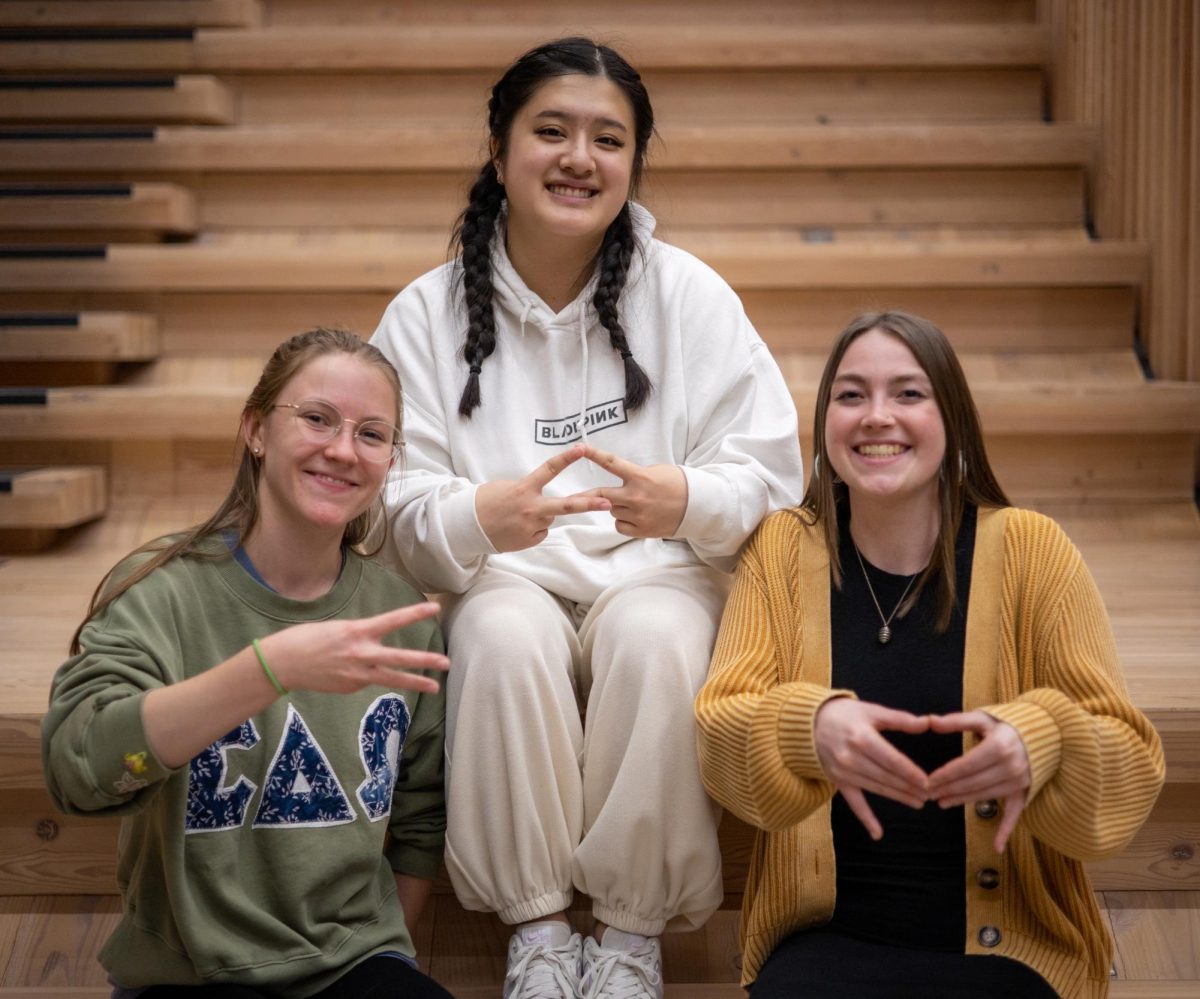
pixel 431 292
pixel 393 588
pixel 786 535
pixel 673 266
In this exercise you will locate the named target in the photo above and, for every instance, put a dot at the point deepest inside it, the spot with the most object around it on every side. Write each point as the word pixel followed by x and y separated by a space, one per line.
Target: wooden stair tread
pixel 129 13
pixel 290 148
pixel 52 497
pixel 110 336
pixel 181 99
pixel 415 47
pixel 143 207
pixel 367 260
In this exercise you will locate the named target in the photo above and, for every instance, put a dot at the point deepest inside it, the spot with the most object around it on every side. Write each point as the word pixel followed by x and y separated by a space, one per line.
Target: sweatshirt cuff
pixel 1039 732
pixel 797 715
pixel 707 503
pixel 115 743
pixel 464 535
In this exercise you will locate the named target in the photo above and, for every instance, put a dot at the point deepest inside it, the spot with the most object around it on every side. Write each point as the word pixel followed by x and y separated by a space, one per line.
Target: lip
pixel 331 481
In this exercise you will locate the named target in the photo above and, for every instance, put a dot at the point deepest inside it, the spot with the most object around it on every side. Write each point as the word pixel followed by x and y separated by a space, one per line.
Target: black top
pixel 908 889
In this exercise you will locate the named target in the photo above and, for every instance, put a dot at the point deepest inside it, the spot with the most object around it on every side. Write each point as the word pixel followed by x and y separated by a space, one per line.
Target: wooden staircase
pixel 825 156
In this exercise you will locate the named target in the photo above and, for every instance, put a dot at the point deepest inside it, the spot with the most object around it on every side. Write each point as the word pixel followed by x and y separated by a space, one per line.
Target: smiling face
pixel 312 485
pixel 568 161
pixel 884 433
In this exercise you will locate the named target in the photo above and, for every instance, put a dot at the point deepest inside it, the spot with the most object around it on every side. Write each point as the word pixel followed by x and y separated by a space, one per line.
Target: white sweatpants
pixel 540 804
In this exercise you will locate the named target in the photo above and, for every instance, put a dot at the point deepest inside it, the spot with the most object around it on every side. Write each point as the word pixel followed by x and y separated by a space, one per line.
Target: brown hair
pixel 966 474
pixel 238 512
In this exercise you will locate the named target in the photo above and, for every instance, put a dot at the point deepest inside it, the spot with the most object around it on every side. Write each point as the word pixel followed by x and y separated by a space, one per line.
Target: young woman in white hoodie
pixel 594 428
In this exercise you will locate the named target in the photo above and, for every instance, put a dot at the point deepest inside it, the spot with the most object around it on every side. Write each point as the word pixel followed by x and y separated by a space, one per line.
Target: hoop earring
pixel 962 467
pixel 836 480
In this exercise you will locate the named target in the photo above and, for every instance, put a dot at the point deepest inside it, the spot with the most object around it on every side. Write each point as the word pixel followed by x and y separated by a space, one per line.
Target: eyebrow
pixel 915 376
pixel 564 116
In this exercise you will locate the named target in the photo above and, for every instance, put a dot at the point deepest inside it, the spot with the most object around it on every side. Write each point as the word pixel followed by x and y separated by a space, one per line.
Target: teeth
pixel 879 450
pixel 570 192
pixel 330 478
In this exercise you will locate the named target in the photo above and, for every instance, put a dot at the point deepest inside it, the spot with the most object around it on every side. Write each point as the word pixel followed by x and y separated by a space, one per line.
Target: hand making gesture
pixel 515 515
pixel 651 500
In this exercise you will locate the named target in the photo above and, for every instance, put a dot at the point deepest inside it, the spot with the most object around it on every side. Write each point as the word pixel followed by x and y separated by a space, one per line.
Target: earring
pixel 962 467
pixel 256 451
pixel 816 473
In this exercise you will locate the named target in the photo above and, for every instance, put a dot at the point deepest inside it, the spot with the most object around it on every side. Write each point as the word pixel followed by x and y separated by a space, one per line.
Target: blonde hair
pixel 239 511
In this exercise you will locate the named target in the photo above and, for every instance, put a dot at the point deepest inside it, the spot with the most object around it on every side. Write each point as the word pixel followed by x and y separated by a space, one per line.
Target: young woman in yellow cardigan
pixel 915 697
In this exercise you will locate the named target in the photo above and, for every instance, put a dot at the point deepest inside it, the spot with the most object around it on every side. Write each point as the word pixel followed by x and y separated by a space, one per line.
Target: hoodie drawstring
pixel 583 347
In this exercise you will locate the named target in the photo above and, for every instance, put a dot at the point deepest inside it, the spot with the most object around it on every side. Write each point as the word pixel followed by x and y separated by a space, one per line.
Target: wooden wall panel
pixel 1131 67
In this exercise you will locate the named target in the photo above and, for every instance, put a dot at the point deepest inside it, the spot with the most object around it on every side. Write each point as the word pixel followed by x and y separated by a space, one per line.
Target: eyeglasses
pixel 374 440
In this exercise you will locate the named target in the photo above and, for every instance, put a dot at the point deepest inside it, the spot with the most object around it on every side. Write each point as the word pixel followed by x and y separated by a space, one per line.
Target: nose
pixel 341 445
pixel 879 411
pixel 577 156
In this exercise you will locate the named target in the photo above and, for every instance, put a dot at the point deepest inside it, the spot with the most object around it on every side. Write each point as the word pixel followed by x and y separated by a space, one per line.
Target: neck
pixel 554 269
pixel 897 537
pixel 297 565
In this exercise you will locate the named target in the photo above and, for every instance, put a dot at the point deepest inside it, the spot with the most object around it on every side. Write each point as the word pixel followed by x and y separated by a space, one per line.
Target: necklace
pixel 885 633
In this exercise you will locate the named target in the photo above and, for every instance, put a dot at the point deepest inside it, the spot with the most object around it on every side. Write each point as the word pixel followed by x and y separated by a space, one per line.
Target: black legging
pixel 823 964
pixel 375 978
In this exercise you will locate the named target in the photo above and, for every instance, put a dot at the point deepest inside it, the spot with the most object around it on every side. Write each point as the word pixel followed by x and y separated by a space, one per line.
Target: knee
pixel 507 652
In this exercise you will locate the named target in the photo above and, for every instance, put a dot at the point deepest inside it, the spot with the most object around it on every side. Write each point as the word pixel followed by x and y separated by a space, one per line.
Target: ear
pixel 252 432
pixel 497 161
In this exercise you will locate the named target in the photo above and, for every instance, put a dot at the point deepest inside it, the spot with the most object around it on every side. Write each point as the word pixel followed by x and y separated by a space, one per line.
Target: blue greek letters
pixel 210 804
pixel 380 742
pixel 301 788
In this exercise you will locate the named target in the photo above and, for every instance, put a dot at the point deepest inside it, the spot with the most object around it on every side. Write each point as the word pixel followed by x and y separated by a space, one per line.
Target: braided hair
pixel 472 237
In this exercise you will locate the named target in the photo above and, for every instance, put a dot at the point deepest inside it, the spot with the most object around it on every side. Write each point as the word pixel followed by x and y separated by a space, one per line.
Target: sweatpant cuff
pixel 627 922
pixel 536 908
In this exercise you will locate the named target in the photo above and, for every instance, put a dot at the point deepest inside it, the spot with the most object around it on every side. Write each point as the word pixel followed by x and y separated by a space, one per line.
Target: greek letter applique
pixel 380 743
pixel 301 787
pixel 210 804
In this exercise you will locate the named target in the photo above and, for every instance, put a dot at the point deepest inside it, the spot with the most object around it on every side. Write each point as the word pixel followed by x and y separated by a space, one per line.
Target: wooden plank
pixel 439 146
pixel 56 943
pixel 367 260
pixel 185 99
pixel 416 47
pixel 680 97
pixel 129 13
pixel 123 336
pixel 145 207
pixel 1165 853
pixel 1155 935
pixel 52 497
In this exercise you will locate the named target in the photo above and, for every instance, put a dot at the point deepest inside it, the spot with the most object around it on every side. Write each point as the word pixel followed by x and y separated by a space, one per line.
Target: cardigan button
pixel 987 809
pixel 988 878
pixel 989 936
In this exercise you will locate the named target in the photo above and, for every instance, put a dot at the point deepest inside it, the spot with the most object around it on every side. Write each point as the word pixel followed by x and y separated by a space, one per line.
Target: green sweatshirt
pixel 265 861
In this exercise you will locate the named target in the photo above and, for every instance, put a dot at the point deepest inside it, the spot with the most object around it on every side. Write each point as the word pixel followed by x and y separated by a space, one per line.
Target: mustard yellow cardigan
pixel 1039 655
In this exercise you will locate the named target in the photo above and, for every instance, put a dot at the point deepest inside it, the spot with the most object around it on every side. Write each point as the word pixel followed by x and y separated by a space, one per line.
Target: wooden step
pixel 64 14
pixel 148 208
pixel 180 99
pixel 302 147
pixel 37 503
pixel 371 260
pixel 78 336
pixel 1024 321
pixel 417 47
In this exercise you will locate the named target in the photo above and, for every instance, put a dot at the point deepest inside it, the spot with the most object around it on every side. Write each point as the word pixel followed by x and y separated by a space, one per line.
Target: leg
pixel 514 791
pixel 382 977
pixel 649 857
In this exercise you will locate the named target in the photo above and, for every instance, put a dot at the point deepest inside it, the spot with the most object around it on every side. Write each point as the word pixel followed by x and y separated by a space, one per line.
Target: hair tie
pixel 626 355
pixel 476 369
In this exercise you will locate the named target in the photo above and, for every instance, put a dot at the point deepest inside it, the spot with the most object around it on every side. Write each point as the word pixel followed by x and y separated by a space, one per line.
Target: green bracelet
pixel 267 669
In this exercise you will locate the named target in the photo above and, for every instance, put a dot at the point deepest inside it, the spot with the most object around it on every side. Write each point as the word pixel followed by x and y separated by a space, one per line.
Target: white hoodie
pixel 719 409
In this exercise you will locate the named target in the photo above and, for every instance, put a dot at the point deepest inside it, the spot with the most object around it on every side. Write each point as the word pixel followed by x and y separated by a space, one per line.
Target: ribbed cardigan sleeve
pixel 755 722
pixel 1097 763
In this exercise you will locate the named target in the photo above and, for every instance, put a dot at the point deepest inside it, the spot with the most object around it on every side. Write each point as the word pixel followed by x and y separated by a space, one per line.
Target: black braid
pixel 474 237
pixel 615 254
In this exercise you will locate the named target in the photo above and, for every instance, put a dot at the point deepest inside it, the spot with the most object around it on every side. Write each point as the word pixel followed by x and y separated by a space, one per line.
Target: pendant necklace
pixel 885 632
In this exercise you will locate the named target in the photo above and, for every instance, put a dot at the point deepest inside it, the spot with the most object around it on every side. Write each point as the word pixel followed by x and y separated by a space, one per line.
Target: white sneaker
pixel 545 961
pixel 622 966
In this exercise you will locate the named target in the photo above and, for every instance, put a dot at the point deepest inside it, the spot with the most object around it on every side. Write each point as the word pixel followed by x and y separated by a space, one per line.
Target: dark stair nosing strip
pixel 39 319
pixel 6 482
pixel 98 134
pixel 98 34
pixel 37 251
pixel 66 190
pixel 87 82
pixel 24 396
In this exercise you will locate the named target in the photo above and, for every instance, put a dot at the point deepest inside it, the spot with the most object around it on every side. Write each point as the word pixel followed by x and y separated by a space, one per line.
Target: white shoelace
pixel 543 972
pixel 614 974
